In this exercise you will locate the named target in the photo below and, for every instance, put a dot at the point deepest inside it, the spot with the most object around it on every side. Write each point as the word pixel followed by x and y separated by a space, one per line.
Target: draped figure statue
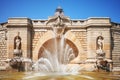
pixel 17 46
pixel 17 42
pixel 100 43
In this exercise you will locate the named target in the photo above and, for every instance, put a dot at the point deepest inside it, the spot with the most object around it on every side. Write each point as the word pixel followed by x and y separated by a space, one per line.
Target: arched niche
pixel 50 45
pixel 48 38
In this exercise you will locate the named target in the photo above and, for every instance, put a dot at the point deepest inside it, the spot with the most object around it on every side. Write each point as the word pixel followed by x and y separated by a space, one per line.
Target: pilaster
pixel 24 27
pixel 98 27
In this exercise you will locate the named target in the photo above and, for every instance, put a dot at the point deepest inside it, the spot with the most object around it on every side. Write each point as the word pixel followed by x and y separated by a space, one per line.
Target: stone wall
pixel 115 46
pixel 81 35
pixel 36 35
pixel 3 48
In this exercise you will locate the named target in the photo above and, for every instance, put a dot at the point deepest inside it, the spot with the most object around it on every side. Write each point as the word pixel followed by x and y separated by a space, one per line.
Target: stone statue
pixel 100 52
pixel 17 42
pixel 100 42
pixel 17 46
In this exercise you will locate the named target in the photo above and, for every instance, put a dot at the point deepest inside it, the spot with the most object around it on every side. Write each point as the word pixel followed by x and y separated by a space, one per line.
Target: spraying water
pixel 59 60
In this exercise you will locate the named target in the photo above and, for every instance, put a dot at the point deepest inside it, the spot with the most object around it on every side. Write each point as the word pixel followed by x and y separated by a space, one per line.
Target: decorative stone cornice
pixel 98 21
pixel 19 22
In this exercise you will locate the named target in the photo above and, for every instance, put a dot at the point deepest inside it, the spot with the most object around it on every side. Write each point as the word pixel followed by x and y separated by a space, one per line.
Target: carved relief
pixel 59 22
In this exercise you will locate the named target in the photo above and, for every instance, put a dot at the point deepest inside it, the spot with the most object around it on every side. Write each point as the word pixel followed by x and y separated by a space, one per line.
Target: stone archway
pixel 70 38
pixel 50 46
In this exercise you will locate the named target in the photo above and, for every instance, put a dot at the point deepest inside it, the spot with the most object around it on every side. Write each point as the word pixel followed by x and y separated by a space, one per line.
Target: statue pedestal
pixel 91 61
pixel 102 62
pixel 100 54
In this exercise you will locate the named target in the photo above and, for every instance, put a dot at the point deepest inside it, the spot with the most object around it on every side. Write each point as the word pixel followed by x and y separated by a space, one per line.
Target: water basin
pixel 59 76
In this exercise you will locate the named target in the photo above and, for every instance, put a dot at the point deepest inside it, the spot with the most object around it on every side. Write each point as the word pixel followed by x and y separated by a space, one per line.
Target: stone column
pixel 107 43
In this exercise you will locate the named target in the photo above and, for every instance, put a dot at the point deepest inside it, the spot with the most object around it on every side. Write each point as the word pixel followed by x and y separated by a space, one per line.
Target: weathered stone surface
pixel 116 48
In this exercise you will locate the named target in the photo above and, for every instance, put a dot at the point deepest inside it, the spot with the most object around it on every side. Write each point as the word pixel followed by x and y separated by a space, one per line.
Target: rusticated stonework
pixel 115 45
pixel 3 48
pixel 82 37
pixel 37 35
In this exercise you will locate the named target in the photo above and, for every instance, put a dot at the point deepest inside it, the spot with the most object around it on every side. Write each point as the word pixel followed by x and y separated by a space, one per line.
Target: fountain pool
pixel 41 76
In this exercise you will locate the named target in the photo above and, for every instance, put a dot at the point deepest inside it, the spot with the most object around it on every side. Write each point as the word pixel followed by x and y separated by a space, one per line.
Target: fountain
pixel 62 55
pixel 57 64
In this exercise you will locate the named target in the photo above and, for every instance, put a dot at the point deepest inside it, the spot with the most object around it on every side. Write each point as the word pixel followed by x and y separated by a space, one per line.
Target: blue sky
pixel 75 9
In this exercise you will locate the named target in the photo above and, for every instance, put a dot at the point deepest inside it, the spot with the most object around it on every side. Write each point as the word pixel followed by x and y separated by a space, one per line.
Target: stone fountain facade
pixel 81 35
